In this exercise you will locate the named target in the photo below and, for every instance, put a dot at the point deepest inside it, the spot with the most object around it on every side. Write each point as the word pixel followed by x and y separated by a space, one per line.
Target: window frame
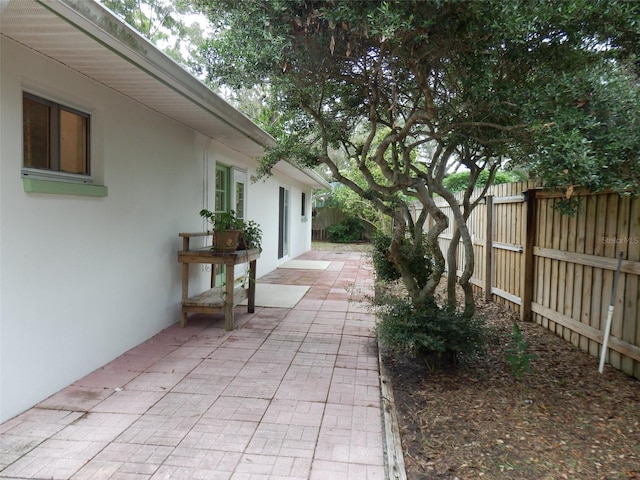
pixel 224 193
pixel 54 132
pixel 303 206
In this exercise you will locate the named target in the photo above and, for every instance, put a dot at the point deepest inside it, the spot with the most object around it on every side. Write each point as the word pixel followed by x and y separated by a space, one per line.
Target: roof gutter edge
pixel 105 27
pixel 315 176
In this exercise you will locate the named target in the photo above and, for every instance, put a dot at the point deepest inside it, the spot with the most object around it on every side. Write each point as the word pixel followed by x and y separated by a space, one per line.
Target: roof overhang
pixel 88 38
pixel 303 175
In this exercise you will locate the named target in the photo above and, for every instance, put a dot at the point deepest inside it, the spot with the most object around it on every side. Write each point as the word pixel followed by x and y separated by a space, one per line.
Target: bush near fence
pixel 324 217
pixel 558 270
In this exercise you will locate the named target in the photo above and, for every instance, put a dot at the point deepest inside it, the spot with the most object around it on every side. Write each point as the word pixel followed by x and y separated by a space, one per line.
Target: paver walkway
pixel 290 394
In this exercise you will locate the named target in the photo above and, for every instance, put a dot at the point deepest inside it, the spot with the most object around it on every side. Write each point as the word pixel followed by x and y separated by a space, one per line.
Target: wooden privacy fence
pixel 558 270
pixel 323 218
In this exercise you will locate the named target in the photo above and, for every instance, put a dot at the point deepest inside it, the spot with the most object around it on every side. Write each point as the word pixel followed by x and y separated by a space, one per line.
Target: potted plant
pixel 231 232
pixel 226 228
pixel 251 236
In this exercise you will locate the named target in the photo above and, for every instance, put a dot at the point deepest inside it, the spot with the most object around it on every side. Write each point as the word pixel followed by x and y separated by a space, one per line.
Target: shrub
pixel 428 332
pixel 349 230
pixel 417 256
pixel 435 335
pixel 384 268
pixel 516 354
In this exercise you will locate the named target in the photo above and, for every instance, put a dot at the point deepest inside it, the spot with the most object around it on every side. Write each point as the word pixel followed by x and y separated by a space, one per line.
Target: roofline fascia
pixel 102 25
pixel 316 177
pixel 106 28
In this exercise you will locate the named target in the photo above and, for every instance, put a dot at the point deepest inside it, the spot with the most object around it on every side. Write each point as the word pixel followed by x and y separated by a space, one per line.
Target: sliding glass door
pixel 283 227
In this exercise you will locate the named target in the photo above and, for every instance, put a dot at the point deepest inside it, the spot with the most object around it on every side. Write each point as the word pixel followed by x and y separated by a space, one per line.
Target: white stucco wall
pixel 84 279
pixel 264 204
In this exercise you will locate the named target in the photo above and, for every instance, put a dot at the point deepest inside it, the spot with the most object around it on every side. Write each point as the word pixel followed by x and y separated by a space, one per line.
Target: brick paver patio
pixel 290 394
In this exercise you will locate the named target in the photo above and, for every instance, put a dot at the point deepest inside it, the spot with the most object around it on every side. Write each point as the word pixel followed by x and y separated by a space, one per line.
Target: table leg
pixel 185 292
pixel 228 300
pixel 251 304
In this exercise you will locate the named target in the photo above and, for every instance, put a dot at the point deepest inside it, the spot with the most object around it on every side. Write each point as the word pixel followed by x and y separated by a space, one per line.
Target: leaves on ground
pixel 562 420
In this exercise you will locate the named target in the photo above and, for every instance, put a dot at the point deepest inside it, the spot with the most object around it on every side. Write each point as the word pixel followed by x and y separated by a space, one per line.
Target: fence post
pixel 488 246
pixel 528 265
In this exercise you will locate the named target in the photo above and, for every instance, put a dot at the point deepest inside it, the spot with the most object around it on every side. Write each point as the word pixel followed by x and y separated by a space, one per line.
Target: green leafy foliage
pixel 516 354
pixel 436 335
pixel 250 230
pixel 459 181
pixel 251 235
pixel 384 268
pixel 417 257
pixel 403 92
pixel 222 220
pixel 349 230
pixel 164 23
pixel 356 204
pixel 591 138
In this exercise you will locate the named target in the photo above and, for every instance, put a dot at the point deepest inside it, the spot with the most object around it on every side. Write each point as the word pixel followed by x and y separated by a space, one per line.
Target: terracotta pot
pixel 226 241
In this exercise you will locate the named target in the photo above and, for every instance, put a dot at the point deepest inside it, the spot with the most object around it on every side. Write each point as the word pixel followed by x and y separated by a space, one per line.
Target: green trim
pixel 225 191
pixel 33 185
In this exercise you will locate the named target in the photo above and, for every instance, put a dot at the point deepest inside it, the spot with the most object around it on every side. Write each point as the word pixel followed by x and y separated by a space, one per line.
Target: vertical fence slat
pixel 516 209
pixel 488 246
pixel 555 267
pixel 547 280
pixel 610 251
pixel 481 220
pixel 623 233
pixel 527 275
pixel 563 277
pixel 538 267
pixel 590 215
pixel 576 338
pixel 597 308
pixel 617 227
pixel 631 326
pixel 569 244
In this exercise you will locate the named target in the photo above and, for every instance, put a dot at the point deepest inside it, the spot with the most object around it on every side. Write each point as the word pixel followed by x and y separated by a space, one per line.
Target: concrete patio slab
pixel 277 295
pixel 292 393
pixel 306 264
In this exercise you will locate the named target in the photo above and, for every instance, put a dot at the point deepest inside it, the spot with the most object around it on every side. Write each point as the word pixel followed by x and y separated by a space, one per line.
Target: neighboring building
pixel 109 149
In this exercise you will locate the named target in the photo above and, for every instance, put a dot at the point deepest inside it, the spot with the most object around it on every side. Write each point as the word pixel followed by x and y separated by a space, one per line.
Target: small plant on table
pixel 231 232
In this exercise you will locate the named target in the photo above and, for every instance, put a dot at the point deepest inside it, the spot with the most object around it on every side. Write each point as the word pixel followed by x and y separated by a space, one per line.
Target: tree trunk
pixel 463 232
pixel 467 273
pixel 452 264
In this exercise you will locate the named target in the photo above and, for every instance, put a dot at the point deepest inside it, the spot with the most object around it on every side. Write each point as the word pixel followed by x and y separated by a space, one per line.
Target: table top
pixel 195 234
pixel 205 253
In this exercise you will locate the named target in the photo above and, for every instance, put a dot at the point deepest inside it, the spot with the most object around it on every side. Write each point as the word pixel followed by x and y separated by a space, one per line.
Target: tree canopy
pixel 164 23
pixel 408 91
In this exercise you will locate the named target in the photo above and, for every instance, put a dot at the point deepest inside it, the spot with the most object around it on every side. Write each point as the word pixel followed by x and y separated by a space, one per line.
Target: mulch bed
pixel 562 420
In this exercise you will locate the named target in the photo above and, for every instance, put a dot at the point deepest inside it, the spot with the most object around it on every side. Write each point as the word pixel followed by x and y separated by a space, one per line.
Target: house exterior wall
pixel 264 204
pixel 84 279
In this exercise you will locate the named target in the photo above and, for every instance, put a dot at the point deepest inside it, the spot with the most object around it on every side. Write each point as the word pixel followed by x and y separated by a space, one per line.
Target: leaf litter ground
pixel 562 420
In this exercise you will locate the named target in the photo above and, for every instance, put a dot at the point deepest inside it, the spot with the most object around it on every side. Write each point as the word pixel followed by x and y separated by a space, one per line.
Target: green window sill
pixel 33 185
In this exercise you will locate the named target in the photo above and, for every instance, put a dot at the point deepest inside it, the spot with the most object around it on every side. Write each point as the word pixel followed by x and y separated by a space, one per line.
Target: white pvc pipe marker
pixel 607 329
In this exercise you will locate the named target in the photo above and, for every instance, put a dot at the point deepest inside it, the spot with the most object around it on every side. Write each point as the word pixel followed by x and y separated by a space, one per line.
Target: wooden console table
pixel 217 299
